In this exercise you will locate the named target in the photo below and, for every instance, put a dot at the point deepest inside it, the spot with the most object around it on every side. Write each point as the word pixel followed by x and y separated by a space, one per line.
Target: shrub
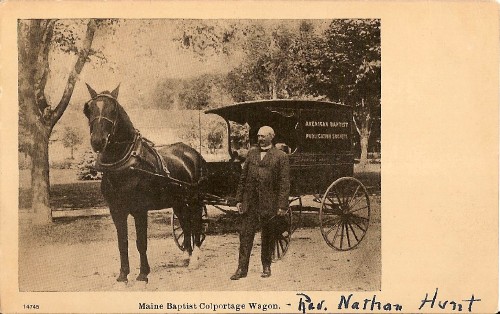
pixel 86 169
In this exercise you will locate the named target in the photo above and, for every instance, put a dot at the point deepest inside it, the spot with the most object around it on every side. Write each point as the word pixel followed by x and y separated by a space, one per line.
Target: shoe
pixel 266 272
pixel 239 274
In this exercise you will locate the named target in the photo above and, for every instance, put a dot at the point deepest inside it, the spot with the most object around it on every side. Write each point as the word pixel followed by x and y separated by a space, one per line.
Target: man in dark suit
pixel 262 195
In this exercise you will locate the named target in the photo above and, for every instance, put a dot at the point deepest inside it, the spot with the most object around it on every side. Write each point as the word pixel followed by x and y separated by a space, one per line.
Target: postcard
pixel 249 157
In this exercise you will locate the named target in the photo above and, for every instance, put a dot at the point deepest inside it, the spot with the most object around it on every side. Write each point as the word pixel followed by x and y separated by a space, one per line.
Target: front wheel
pixel 284 230
pixel 178 233
pixel 344 214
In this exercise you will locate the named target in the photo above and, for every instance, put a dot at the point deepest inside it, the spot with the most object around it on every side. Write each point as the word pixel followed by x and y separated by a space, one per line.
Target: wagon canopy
pixel 251 111
pixel 315 126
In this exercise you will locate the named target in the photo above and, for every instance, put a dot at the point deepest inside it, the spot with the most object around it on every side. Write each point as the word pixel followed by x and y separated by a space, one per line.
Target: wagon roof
pixel 242 112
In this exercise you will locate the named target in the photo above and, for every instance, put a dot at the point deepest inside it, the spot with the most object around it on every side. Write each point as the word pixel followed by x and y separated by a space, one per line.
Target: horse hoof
pixel 194 260
pixel 185 258
pixel 122 278
pixel 142 277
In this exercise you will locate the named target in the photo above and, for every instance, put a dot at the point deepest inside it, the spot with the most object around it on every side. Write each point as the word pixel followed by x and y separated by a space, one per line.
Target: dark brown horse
pixel 137 178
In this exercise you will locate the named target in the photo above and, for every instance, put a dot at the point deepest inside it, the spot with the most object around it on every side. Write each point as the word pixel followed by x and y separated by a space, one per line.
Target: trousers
pixel 250 223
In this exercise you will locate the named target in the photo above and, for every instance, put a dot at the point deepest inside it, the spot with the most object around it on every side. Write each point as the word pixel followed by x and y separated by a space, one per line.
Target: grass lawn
pixel 67 193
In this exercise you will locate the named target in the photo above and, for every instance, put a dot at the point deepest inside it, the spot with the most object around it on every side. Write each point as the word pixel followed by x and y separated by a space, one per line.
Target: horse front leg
pixel 141 227
pixel 120 221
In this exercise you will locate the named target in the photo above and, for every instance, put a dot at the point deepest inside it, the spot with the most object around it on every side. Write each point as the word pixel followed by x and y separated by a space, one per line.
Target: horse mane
pixel 124 117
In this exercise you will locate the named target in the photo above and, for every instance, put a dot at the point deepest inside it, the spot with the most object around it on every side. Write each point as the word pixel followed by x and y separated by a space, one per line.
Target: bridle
pixel 101 117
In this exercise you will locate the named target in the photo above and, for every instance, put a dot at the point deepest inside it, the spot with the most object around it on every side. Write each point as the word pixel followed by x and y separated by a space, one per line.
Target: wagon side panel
pixel 325 152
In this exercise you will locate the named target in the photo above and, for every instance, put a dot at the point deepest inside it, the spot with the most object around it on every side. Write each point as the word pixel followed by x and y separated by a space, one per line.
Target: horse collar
pixel 133 151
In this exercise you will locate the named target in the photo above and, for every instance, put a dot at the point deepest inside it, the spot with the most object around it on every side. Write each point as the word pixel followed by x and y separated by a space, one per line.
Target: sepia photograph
pixel 226 156
pixel 139 157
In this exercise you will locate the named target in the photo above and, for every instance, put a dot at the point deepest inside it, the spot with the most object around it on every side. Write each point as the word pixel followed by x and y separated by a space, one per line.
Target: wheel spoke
pixel 335 221
pixel 354 233
pixel 335 236
pixel 356 223
pixel 344 194
pixel 177 227
pixel 342 236
pixel 334 226
pixel 332 203
pixel 358 209
pixel 357 217
pixel 329 209
pixel 353 196
pixel 337 195
pixel 347 233
pixel 359 199
pixel 180 235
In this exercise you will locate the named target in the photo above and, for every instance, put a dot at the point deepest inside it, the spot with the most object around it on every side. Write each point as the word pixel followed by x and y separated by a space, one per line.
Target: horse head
pixel 103 113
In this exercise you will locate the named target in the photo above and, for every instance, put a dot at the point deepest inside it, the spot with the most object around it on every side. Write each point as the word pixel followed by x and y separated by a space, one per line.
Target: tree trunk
pixel 40 177
pixel 362 121
pixel 364 136
pixel 274 90
pixel 33 49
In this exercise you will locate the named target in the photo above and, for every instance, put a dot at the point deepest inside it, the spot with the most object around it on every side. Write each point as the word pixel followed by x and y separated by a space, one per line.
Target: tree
pixel 195 93
pixel 37 40
pixel 344 65
pixel 71 139
pixel 270 68
pixel 215 136
pixel 166 94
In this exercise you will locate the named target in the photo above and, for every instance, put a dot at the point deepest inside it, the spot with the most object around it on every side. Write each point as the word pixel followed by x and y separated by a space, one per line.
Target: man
pixel 262 195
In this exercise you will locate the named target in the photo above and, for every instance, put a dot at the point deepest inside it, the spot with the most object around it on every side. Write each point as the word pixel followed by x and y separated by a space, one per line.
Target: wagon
pixel 317 136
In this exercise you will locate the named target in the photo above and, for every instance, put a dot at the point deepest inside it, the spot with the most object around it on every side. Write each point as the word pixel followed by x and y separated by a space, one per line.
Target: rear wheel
pixel 344 214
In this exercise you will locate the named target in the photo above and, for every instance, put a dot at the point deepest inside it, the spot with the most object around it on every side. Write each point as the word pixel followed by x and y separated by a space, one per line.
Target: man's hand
pixel 240 208
pixel 281 212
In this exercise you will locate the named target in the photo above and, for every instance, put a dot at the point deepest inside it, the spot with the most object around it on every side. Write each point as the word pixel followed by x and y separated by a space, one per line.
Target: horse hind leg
pixel 120 222
pixel 182 215
pixel 141 227
pixel 196 213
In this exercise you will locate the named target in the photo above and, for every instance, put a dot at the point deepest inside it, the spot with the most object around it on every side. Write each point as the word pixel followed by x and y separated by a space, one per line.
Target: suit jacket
pixel 264 185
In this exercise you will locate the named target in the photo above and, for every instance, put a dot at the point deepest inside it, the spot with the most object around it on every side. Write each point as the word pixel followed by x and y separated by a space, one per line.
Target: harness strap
pixel 133 150
pixel 135 155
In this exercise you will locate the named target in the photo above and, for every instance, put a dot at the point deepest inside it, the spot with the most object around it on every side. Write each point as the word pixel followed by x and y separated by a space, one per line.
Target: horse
pixel 138 178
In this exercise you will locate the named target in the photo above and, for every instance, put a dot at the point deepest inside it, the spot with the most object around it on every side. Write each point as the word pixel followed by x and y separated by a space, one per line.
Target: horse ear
pixel 114 93
pixel 92 92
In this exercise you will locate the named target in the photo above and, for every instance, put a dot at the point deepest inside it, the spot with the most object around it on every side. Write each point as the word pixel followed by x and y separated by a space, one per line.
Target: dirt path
pixel 82 255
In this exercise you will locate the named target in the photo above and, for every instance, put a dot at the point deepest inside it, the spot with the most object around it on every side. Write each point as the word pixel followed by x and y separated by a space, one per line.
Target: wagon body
pixel 318 136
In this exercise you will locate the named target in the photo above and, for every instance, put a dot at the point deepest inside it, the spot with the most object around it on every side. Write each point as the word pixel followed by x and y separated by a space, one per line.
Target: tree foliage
pixel 270 68
pixel 166 94
pixel 345 66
